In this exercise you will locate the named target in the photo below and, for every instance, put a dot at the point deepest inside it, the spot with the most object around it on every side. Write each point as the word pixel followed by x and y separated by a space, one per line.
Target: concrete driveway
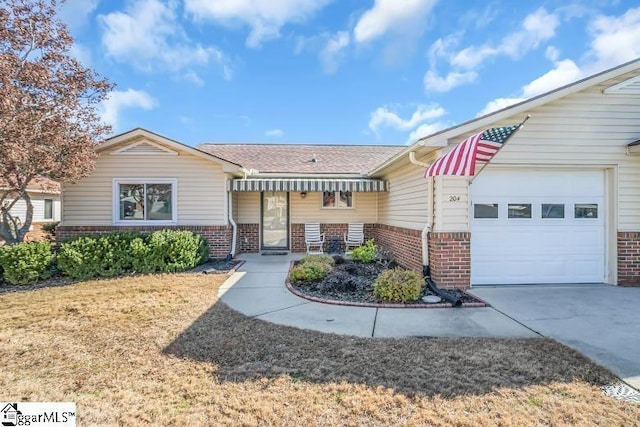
pixel 600 321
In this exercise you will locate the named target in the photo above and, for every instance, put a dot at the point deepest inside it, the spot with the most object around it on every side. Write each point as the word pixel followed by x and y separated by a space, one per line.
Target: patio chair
pixel 313 239
pixel 354 237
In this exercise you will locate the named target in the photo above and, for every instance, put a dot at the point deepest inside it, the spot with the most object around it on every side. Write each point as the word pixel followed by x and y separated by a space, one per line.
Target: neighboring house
pixel 45 198
pixel 560 203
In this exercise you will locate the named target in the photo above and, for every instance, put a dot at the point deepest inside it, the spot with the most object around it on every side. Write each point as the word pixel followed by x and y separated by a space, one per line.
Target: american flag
pixel 481 147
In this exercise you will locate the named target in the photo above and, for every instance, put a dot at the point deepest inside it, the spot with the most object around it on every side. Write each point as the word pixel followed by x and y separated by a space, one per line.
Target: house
pixel 559 203
pixel 45 198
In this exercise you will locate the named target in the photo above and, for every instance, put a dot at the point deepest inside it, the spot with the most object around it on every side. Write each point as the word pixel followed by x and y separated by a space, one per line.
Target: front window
pixel 146 201
pixel 337 199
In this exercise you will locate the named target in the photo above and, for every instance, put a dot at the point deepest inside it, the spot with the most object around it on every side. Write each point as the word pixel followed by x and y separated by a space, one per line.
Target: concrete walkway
pixel 600 321
pixel 257 290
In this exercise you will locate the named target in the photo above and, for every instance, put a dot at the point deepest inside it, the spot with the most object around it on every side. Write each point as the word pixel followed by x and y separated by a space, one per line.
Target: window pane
pixel 48 209
pixel 131 202
pixel 159 202
pixel 519 210
pixel 485 210
pixel 586 210
pixel 328 199
pixel 552 210
pixel 345 200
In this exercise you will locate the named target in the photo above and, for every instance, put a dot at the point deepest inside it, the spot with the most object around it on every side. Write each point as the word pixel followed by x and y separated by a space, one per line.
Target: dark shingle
pixel 293 158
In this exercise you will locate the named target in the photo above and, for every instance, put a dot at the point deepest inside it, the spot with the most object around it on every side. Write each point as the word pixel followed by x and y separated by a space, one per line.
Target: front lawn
pixel 160 350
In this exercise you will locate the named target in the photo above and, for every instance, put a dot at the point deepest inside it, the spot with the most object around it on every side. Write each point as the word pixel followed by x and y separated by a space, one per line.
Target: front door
pixel 275 220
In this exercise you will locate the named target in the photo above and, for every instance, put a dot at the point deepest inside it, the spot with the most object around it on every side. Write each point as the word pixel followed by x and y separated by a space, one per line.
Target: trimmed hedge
pixel 113 254
pixel 26 263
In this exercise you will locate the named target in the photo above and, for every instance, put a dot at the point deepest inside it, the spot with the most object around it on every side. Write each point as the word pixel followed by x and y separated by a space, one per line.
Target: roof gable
pixel 142 141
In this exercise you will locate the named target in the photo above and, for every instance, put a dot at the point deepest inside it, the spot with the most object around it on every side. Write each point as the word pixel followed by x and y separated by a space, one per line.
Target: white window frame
pixel 116 200
pixel 336 196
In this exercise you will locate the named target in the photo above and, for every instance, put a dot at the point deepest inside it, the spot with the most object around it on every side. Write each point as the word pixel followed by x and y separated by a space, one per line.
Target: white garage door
pixel 538 227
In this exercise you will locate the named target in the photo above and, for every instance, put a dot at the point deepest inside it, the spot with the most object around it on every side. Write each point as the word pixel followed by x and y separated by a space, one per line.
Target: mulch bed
pixel 359 289
pixel 213 266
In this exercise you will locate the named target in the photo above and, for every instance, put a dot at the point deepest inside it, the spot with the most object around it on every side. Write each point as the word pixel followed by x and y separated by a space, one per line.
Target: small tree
pixel 49 122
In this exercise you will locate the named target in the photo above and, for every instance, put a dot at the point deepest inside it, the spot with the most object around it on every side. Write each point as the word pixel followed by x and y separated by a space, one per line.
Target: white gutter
pixel 233 225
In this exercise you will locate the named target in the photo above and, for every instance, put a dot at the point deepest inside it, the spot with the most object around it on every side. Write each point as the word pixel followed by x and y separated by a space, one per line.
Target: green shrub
pixel 398 285
pixel 309 272
pixel 173 251
pixel 26 263
pixel 366 253
pixel 322 259
pixel 116 254
pixel 106 255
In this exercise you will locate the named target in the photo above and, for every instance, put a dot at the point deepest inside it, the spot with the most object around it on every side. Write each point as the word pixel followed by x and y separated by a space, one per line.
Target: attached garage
pixel 538 226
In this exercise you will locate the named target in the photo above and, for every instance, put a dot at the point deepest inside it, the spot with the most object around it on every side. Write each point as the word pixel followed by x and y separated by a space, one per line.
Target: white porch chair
pixel 354 237
pixel 313 239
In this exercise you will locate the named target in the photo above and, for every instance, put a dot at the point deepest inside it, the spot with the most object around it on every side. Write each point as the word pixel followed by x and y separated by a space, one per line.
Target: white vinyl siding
pixel 407 204
pixel 310 209
pixel 248 208
pixel 37 200
pixel 201 188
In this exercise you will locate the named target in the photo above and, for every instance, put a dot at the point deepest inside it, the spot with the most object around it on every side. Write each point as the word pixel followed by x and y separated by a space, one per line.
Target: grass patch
pixel 160 350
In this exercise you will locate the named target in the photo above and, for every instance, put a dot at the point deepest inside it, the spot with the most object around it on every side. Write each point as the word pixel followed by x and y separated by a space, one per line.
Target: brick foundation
pixel 248 238
pixel 450 259
pixel 404 245
pixel 628 258
pixel 330 231
pixel 217 236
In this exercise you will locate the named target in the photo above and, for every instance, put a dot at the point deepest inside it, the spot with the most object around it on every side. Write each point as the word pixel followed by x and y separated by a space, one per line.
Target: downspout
pixel 427 228
pixel 234 226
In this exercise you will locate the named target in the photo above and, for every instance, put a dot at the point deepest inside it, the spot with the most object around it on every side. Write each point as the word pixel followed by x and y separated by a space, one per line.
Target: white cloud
pixel 565 72
pixel 434 82
pixel 75 13
pixel 425 130
pixel 536 28
pixel 616 39
pixel 274 133
pixel 147 35
pixel 499 104
pixel 392 16
pixel 333 51
pixel 119 100
pixel 383 117
pixel 193 77
pixel 264 17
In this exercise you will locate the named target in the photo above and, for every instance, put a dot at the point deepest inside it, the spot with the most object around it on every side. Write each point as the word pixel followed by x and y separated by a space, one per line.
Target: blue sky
pixel 341 71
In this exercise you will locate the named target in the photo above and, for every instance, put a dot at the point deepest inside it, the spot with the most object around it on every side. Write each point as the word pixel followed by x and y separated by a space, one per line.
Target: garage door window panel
pixel 585 211
pixel 519 211
pixel 485 210
pixel 552 211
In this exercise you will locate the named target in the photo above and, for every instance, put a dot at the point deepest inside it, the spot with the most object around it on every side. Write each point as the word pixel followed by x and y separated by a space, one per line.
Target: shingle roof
pixel 295 158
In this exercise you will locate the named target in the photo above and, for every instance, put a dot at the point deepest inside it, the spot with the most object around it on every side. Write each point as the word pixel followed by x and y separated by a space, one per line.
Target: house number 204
pixel 454 198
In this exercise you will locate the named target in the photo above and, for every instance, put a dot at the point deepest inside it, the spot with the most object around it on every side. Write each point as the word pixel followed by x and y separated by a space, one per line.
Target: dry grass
pixel 160 350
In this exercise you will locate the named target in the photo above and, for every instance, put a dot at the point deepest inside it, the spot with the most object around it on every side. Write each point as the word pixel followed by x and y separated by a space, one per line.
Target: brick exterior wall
pixel 403 244
pixel 217 236
pixel 629 258
pixel 248 238
pixel 450 259
pixel 330 231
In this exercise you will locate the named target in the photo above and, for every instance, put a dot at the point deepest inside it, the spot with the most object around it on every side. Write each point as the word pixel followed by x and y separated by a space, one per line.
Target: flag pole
pixel 520 125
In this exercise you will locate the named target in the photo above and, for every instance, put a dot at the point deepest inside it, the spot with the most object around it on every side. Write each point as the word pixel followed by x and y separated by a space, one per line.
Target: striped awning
pixel 307 184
